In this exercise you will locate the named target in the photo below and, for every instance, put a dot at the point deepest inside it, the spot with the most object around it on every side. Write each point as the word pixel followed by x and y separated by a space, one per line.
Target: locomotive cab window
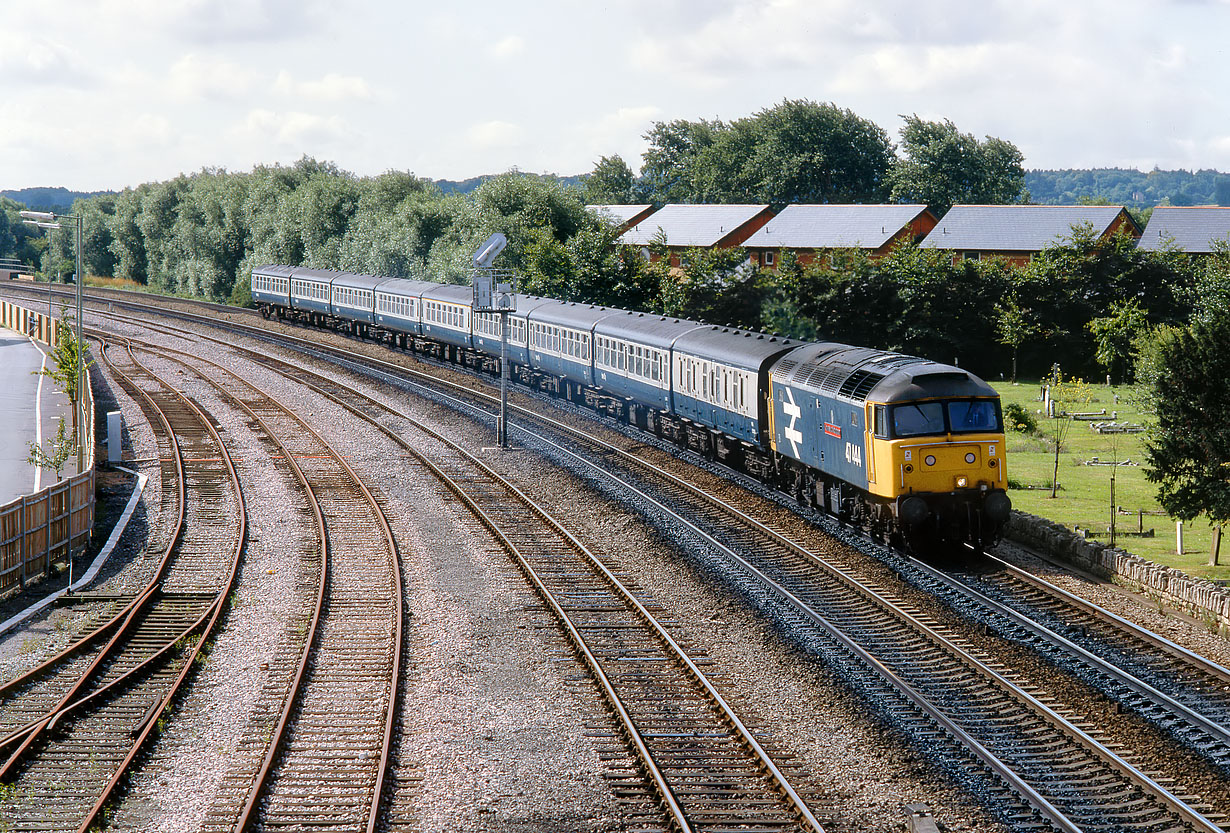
pixel 918 418
pixel 881 422
pixel 973 415
pixel 958 416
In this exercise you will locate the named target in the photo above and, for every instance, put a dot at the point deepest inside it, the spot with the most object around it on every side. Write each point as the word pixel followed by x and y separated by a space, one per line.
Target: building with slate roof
pixel 1018 232
pixel 1194 230
pixel 623 216
pixel 684 227
pixel 806 230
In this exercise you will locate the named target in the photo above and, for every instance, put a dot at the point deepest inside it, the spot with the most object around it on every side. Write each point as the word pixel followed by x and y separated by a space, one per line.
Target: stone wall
pixel 1197 597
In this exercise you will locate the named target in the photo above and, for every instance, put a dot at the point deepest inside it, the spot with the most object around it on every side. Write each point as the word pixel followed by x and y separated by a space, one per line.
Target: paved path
pixel 27 416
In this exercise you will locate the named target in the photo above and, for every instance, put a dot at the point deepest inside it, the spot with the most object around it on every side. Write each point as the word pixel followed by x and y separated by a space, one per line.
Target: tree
pixel 71 363
pixel 1211 292
pixel 809 152
pixel 943 167
pixel 1188 448
pixel 667 168
pixel 1115 334
pixel 59 449
pixel 1078 279
pixel 797 151
pixel 610 183
pixel 1014 325
pixel 1064 395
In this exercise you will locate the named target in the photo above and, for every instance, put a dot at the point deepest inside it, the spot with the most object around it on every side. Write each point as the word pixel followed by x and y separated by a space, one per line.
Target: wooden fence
pixel 40 530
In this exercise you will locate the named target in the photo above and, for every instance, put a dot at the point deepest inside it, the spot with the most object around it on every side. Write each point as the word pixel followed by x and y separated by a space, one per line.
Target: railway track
pixel 333 699
pixel 1183 692
pixel 1015 734
pixel 1120 793
pixel 707 769
pixel 73 726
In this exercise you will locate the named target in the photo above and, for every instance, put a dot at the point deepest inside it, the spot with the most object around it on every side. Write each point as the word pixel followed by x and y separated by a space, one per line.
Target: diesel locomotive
pixel 909 449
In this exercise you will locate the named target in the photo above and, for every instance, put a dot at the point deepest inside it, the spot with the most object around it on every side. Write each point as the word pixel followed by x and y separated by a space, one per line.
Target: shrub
pixel 1019 419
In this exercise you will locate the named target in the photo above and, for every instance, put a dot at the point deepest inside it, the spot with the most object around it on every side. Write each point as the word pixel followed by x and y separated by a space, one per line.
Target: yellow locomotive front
pixel 942 462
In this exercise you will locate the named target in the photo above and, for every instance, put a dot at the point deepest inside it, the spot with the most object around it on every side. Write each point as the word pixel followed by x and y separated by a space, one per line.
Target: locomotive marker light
pixel 495 292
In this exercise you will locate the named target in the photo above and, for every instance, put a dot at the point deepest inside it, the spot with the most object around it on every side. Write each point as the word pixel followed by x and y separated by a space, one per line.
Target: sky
pixel 108 94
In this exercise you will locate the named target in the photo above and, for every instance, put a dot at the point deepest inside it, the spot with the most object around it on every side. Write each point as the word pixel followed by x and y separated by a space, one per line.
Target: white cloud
pixel 509 47
pixel 332 87
pixel 293 130
pixel 195 76
pixel 619 132
pixel 221 21
pixel 32 59
pixel 495 134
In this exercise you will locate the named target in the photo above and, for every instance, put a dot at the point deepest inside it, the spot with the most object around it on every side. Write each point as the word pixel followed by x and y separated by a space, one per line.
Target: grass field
pixel 1084 490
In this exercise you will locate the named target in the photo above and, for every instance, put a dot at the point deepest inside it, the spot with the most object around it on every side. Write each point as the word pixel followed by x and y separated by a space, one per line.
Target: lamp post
pixel 50 220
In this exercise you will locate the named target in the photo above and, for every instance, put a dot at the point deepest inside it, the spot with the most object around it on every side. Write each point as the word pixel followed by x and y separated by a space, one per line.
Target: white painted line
pixel 38 416
pixel 99 559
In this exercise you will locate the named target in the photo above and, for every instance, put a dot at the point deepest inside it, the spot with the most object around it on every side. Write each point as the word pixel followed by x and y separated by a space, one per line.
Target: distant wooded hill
pixel 1125 186
pixel 59 200
pixel 1072 186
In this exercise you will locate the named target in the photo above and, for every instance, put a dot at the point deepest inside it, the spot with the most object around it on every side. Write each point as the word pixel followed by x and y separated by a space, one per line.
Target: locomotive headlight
pixel 962 482
pixel 930 460
pixel 969 458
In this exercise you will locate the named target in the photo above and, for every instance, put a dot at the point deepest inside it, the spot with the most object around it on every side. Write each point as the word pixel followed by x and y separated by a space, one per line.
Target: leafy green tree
pixel 57 452
pixel 716 286
pixel 1114 334
pixel 1188 449
pixel 943 167
pixel 1211 291
pixel 668 165
pixel 96 236
pixel 948 309
pixel 1067 396
pixel 127 240
pixel 1148 347
pixel 610 183
pixel 845 298
pixel 72 362
pixel 797 152
pixel 9 217
pixel 1077 280
pixel 1015 324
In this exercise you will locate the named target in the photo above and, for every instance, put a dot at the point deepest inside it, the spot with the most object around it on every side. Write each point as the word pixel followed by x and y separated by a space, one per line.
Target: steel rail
pixel 665 791
pixel 136 606
pixel 1217 731
pixel 1160 642
pixel 403 371
pixel 129 676
pixel 248 812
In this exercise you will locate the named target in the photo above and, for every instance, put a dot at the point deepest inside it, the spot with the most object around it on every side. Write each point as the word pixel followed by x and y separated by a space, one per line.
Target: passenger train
pixel 911 450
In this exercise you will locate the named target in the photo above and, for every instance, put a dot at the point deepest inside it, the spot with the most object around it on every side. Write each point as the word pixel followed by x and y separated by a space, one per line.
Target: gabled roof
pixel 1191 229
pixel 1016 228
pixel 619 214
pixel 691 225
pixel 834 226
